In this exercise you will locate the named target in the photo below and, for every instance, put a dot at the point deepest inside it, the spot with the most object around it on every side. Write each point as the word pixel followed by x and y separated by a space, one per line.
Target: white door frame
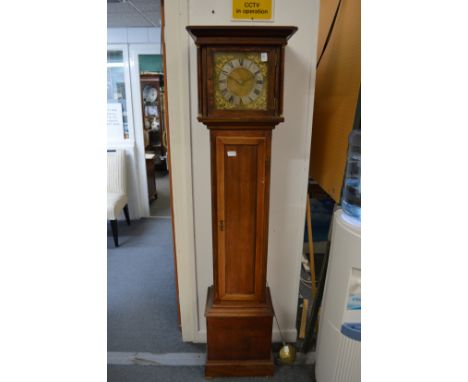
pixel 178 98
pixel 134 51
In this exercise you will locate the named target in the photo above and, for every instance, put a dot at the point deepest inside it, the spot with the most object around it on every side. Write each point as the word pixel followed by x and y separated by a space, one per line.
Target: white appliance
pixel 339 337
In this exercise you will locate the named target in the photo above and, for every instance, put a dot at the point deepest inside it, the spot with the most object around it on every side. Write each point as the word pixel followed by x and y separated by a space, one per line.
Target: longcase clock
pixel 240 97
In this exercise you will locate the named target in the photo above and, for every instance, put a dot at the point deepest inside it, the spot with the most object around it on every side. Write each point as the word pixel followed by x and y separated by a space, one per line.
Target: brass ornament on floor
pixel 287 354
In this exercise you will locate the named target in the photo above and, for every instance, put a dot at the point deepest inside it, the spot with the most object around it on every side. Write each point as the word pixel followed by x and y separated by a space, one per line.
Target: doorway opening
pixel 153 123
pixel 143 304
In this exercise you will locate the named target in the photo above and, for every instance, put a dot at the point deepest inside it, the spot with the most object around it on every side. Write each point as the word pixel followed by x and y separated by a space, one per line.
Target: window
pixel 117 113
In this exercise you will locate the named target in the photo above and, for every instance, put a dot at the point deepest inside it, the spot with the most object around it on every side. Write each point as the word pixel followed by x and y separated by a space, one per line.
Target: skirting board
pixel 179 359
pixel 290 335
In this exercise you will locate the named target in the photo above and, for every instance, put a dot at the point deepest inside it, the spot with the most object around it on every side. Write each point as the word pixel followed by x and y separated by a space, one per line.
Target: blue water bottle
pixel 351 197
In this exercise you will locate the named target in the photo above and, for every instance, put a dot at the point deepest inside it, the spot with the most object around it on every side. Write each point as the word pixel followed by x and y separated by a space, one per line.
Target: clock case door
pixel 240 195
pixel 271 80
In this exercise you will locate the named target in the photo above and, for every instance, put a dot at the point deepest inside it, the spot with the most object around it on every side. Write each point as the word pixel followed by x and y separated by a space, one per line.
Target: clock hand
pixel 247 80
pixel 251 77
pixel 240 83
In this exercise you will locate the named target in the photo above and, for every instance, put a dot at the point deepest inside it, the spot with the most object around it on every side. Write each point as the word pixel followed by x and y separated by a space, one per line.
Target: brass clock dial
pixel 240 81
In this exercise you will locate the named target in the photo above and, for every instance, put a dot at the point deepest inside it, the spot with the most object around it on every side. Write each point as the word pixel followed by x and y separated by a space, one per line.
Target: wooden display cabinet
pixel 152 112
pixel 151 175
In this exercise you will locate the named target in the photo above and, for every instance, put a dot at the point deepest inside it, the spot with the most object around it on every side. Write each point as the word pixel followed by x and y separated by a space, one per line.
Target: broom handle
pixel 311 249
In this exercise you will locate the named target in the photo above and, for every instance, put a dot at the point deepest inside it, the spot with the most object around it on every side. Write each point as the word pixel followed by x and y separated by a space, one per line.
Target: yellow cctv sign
pixel 252 9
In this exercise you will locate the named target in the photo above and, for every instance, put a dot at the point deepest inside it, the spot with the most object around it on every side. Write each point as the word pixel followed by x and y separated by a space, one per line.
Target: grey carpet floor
pixel 142 307
pixel 195 374
pixel 161 206
pixel 141 293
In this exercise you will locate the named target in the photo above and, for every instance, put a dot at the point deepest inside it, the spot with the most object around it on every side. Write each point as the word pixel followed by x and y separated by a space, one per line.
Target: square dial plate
pixel 240 80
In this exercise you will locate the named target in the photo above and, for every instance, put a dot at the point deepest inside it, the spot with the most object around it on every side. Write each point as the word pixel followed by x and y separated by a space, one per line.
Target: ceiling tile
pixel 119 8
pixel 120 20
pixel 147 5
pixel 124 15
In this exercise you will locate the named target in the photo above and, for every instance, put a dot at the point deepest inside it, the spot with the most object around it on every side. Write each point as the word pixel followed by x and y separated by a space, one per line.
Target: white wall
pixel 290 157
pixel 134 41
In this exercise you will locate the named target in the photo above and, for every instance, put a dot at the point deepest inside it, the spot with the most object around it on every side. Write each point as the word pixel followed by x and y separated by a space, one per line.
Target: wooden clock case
pixel 239 311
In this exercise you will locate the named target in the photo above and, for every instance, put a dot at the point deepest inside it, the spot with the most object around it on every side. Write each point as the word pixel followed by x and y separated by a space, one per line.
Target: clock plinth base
pixel 258 368
pixel 239 339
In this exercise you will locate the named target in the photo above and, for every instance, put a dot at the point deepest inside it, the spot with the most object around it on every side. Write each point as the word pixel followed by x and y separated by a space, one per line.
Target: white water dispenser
pixel 339 336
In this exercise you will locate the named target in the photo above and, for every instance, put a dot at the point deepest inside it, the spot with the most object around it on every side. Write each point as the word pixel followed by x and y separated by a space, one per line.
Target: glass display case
pixel 153 120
